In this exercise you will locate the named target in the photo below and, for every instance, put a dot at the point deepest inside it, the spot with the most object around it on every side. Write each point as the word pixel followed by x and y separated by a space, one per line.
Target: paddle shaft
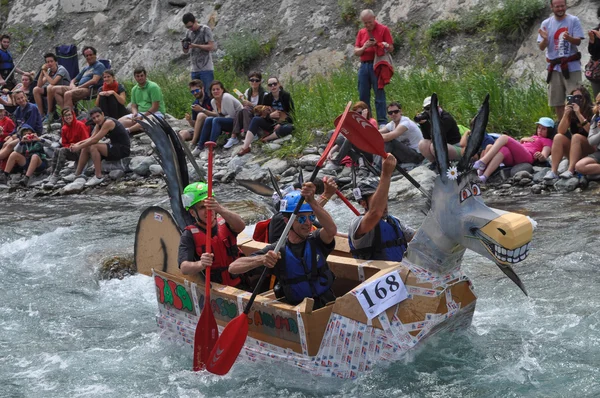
pixel 347 202
pixel 275 183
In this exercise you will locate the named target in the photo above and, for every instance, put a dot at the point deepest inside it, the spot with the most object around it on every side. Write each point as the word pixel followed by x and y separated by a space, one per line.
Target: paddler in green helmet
pixel 225 224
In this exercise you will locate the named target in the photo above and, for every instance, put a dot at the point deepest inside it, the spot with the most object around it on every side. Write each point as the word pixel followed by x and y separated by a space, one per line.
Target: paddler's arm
pixel 329 229
pixel 235 222
pixel 245 264
pixel 195 267
pixel 379 200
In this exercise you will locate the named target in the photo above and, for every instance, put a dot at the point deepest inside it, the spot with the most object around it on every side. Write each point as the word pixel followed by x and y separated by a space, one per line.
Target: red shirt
pixel 74 133
pixel 8 125
pixel 380 32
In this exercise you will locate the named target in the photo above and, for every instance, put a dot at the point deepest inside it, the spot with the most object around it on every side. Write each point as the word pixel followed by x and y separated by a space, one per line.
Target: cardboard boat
pixel 337 340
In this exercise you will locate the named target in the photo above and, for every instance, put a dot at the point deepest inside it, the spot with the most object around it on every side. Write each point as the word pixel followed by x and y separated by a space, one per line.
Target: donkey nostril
pixel 503 232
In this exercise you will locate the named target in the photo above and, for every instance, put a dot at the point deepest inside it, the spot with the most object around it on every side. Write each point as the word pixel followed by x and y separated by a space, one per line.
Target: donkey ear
pixel 476 138
pixel 440 145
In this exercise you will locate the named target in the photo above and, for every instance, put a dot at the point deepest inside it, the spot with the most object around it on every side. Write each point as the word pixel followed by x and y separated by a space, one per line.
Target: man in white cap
pixel 449 129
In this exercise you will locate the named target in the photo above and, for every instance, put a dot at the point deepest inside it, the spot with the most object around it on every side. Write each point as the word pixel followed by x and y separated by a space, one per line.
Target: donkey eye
pixel 476 190
pixel 465 194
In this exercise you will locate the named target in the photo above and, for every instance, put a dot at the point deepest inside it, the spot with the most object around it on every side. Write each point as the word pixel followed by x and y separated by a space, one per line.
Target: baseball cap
pixel 546 122
pixel 1 107
pixel 426 102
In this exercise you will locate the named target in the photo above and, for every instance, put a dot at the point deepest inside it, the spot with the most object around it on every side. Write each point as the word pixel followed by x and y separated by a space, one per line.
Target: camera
pixel 186 43
pixel 422 117
pixel 574 99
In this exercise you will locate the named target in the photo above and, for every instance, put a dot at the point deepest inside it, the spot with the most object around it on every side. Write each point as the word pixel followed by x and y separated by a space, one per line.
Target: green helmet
pixel 194 193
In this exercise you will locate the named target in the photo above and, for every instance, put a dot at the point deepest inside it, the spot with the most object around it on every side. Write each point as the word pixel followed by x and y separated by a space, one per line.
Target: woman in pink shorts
pixel 509 151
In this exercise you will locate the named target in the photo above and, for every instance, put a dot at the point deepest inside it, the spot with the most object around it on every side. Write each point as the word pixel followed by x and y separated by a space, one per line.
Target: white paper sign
pixel 380 294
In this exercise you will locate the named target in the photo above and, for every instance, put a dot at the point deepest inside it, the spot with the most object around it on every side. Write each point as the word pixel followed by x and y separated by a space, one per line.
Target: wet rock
pixel 156 170
pixel 277 166
pixel 516 169
pixel 538 177
pixel 116 175
pixel 250 211
pixel 537 189
pixel 73 188
pixel 141 164
pixel 218 176
pixel 421 174
pixel 237 163
pixel 252 172
pixel 566 184
pixel 308 160
pixel 521 175
pixel 117 267
pixel 524 182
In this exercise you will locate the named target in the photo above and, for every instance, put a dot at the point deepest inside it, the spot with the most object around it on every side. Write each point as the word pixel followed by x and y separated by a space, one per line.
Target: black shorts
pixel 116 152
pixel 595 156
pixel 39 169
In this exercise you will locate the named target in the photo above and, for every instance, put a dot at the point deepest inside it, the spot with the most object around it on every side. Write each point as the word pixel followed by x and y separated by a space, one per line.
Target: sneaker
pixel 72 177
pixel 566 174
pixel 94 181
pixel 196 151
pixel 483 179
pixel 46 119
pixel 243 151
pixel 479 165
pixel 24 181
pixel 3 179
pixel 231 142
pixel 53 179
pixel 433 166
pixel 550 176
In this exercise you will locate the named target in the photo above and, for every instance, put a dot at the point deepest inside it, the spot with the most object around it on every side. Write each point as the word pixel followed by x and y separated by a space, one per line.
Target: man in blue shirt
pixel 89 78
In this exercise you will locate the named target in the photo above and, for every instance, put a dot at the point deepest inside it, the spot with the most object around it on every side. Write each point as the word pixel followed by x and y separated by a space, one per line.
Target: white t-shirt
pixel 558 47
pixel 411 136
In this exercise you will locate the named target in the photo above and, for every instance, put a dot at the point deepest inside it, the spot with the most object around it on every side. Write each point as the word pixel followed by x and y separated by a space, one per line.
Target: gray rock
pixel 539 174
pixel 282 139
pixel 156 170
pixel 308 160
pixel 73 188
pixel 252 172
pixel 521 167
pixel 141 164
pixel 537 189
pixel 144 139
pixel 289 172
pixel 522 174
pixel 237 163
pixel 122 164
pixel 311 150
pixel 421 174
pixel 567 184
pixel 272 146
pixel 276 165
pixel 505 186
pixel 116 175
pixel 178 3
pixel 524 182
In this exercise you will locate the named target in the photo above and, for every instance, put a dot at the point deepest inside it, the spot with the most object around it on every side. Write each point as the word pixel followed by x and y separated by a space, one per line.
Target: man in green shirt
pixel 146 99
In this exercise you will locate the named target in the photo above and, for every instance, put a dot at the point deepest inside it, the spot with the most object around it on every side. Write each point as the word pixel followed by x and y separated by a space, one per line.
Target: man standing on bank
pixel 559 36
pixel 374 38
pixel 199 43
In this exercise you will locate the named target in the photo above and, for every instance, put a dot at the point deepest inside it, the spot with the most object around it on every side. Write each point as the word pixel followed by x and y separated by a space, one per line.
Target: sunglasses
pixel 254 80
pixel 395 112
pixel 272 84
pixel 196 91
pixel 427 108
pixel 302 219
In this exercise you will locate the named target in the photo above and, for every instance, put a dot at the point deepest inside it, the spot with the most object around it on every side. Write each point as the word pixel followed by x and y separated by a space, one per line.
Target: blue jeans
pixel 207 77
pixel 213 127
pixel 366 80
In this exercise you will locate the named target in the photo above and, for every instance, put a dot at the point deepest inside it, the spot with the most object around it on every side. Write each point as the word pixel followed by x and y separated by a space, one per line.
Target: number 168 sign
pixel 380 294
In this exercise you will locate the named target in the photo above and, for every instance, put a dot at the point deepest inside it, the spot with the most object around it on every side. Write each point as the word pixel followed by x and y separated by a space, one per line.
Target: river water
pixel 64 333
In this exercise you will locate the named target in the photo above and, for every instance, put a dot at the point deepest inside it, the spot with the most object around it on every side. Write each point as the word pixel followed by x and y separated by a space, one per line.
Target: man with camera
pixel 559 37
pixel 199 43
pixel 449 129
pixel 374 39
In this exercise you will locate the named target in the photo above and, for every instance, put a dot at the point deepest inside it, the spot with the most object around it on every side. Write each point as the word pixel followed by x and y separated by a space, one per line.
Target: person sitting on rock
pixel 51 75
pixel 7 126
pixel 112 96
pixel 300 266
pixel 220 119
pixel 118 147
pixel 197 118
pixel 449 129
pixel 27 113
pixel 146 99
pixel 590 165
pixel 254 96
pixel 402 136
pixel 376 235
pixel 509 151
pixel 73 131
pixel 80 87
pixel 225 226
pixel 486 144
pixel 28 156
pixel 280 121
pixel 571 138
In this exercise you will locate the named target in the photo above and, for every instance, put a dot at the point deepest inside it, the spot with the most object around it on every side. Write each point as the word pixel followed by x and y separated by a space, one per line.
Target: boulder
pixel 237 163
pixel 524 181
pixel 308 160
pixel 567 184
pixel 141 164
pixel 537 189
pixel 521 175
pixel 156 170
pixel 277 166
pixel 272 146
pixel 521 167
pixel 73 188
pixel 539 174
pixel 421 174
pixel 116 175
pixel 310 150
pixel 252 172
pixel 110 165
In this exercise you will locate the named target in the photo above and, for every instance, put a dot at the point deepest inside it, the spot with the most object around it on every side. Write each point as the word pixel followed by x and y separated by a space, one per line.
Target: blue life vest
pixel 309 276
pixel 6 61
pixel 390 248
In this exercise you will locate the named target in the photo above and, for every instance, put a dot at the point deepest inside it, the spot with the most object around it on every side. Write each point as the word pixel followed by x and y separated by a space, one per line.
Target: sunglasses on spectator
pixel 195 91
pixel 394 112
pixel 426 108
pixel 302 219
pixel 253 80
pixel 272 84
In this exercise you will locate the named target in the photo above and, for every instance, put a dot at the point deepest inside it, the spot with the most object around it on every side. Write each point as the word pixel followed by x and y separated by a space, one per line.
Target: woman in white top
pixel 255 95
pixel 225 106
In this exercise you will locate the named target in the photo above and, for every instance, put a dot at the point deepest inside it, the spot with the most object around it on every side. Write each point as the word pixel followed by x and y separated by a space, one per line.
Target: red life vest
pixel 261 231
pixel 225 250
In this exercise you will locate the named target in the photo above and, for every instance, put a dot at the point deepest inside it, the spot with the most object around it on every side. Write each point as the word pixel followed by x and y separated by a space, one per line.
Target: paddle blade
pixel 361 134
pixel 228 346
pixel 205 338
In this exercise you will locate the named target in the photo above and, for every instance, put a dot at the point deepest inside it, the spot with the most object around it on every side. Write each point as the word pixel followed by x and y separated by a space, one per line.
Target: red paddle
pixel 366 137
pixel 347 202
pixel 207 332
pixel 234 335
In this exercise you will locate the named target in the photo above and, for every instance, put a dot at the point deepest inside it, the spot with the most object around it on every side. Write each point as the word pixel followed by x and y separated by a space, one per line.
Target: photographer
pixel 199 43
pixel 28 155
pixel 571 138
pixel 449 129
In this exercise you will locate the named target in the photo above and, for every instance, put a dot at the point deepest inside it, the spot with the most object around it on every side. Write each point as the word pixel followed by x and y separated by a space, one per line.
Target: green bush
pixel 241 50
pixel 516 16
pixel 442 28
pixel 347 10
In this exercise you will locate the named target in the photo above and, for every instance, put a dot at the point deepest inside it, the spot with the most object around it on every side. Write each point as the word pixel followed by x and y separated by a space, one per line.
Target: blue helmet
pixel 289 202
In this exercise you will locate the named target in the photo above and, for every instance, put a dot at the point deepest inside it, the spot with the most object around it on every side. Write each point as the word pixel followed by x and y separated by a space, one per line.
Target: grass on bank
pixel 515 106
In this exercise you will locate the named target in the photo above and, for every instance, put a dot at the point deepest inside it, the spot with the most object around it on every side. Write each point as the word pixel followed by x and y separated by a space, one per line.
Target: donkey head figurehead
pixel 459 219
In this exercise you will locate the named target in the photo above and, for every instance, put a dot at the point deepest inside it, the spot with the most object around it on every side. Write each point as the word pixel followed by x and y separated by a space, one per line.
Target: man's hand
pixel 308 191
pixel 330 187
pixel 568 37
pixel 388 165
pixel 197 108
pixel 270 259
pixel 544 33
pixel 188 117
pixel 206 260
pixel 274 115
pixel 212 205
pixel 370 43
